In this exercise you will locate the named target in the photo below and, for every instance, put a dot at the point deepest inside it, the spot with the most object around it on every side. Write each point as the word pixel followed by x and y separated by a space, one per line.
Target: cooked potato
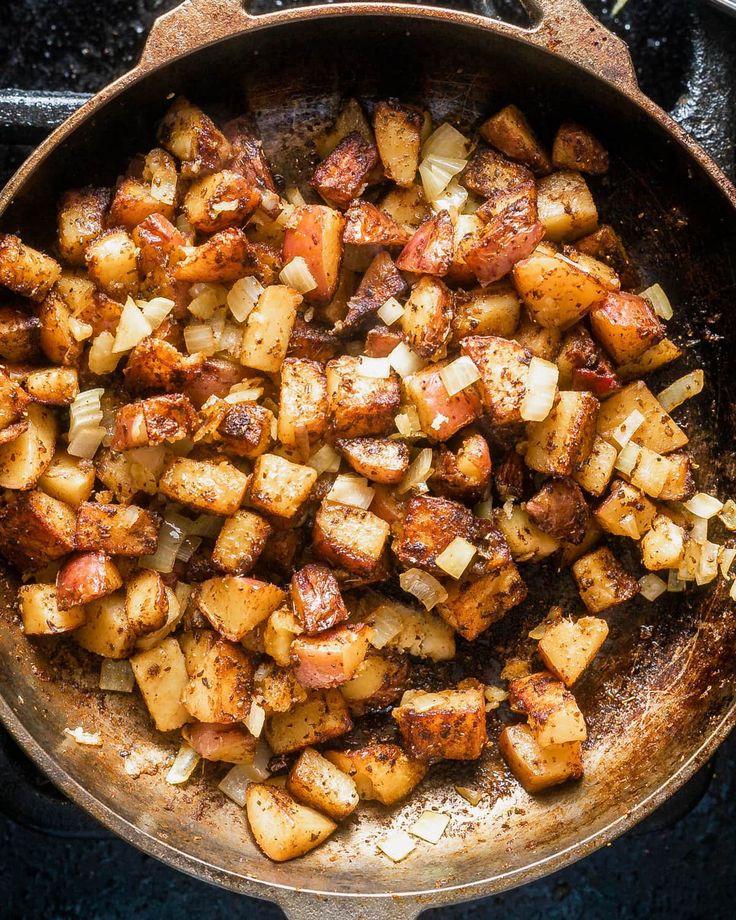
pixel 146 602
pixel 156 365
pixel 663 546
pixel 133 202
pixel 80 220
pixel 422 633
pixel 430 249
pixel 216 488
pixel 602 580
pixel 35 529
pixel 626 326
pixel 316 599
pixel 107 631
pixel 447 725
pixel 25 270
pixel 679 485
pixel 119 530
pixel 221 743
pixel 527 542
pixel 427 317
pixel 235 605
pixel 381 772
pixel 14 402
pixel 565 206
pixel 303 404
pixel 379 681
pixel 153 421
pixel 41 613
pixel 161 676
pixel 54 386
pixel 317 782
pixel 441 416
pixel 84 578
pixel 658 431
pixel 654 358
pixel 344 174
pixel 407 206
pixel 504 369
pixel 26 458
pixel 575 147
pixel 193 138
pixel 315 233
pixel 559 509
pixel 626 512
pixel 595 472
pixel 463 473
pixel 398 136
pixel 227 256
pixel 196 644
pixel 381 281
pixel 221 691
pixel 537 768
pixel 553 714
pixel 57 341
pixel 492 176
pixel 509 235
pixel 493 310
pixel 560 443
pixel 367 225
pixel 112 262
pixel 19 335
pixel 224 199
pixel 280 631
pixel 240 542
pixel 324 715
pixel 245 429
pixel 70 479
pixel 567 647
pixel 282 828
pixel 330 658
pixel 278 689
pixel 268 328
pixel 360 406
pixel 378 459
pixel 472 607
pixel 279 486
pixel 510 132
pixel 174 613
pixel 430 525
pixel 350 537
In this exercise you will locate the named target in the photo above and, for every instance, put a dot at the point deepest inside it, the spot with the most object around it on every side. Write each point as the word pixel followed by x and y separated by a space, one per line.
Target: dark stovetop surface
pixel 57 863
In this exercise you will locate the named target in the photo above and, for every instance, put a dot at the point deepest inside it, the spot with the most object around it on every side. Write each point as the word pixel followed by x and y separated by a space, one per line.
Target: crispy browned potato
pixel 567 647
pixel 626 326
pixel 526 541
pixel 398 130
pixel 659 431
pixel 606 245
pixel 510 132
pixel 323 716
pixel 84 578
pixel 602 581
pixel 350 118
pixel 249 160
pixel 317 782
pixel 447 725
pixel 427 317
pixel 360 406
pixel 303 404
pixel 81 218
pixel 330 658
pixel 221 690
pixel 553 714
pixel 193 138
pixel 379 681
pixel 378 459
pixel 430 249
pixel 279 486
pixel 315 234
pixel 53 386
pixel 56 338
pixel 560 443
pixel 407 206
pixel 312 342
pixel 42 616
pixel 626 512
pixel 241 542
pixel 493 310
pixel 504 368
pixel 282 828
pixel 19 335
pixel 234 604
pixel 112 262
pixel 472 606
pixel 119 530
pixel 537 768
pixel 380 341
pixel 215 488
pixel 560 510
pixel 367 225
pixel 153 421
pixel 146 602
pixel 245 429
pixel 14 401
pixel 350 537
pixel 133 202
pixel 344 173
pixel 381 281
pixel 492 176
pixel 225 256
pixel 224 199
pixel 441 416
pixel 429 526
pixel 25 270
pixel 381 772
pixel 35 529
pixel 221 743
pixel 464 472
pixel 509 235
pixel 25 457
pixel 268 328
pixel 566 207
pixel 574 147
pixel 155 365
pixel 316 599
pixel 106 630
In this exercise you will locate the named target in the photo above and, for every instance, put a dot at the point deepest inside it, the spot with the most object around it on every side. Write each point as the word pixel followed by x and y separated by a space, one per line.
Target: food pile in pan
pixel 264 449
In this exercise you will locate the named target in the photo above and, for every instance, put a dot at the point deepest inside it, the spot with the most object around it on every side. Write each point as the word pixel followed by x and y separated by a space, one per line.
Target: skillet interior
pixel 667 677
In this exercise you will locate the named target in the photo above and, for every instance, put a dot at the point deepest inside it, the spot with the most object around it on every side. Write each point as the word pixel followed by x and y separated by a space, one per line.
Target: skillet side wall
pixel 651 702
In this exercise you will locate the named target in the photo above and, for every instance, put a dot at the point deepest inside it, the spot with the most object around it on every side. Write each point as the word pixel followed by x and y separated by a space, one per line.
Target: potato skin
pixel 360 406
pixel 510 132
pixel 343 174
pixel 378 459
pixel 560 510
pixel 19 335
pixel 316 599
pixel 381 280
pixel 35 529
pixel 453 727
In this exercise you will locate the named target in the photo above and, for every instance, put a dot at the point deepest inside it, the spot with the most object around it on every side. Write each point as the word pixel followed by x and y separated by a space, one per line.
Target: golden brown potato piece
pixel 56 338
pixel 268 328
pixel 323 716
pixel 19 335
pixel 224 199
pixel 381 280
pixel 146 602
pixel 35 529
pixel 222 689
pixel 106 630
pixel 25 270
pixel 70 479
pixel 317 782
pixel 566 207
pixel 279 633
pixel 607 246
pixel 664 545
pixel 553 714
pixel 215 488
pixel 193 138
pixel 504 369
pixel 221 743
pixel 583 366
pixel 652 360
pixel 491 176
pixel 234 604
pixel 398 136
pixel 26 455
pixel 427 317
pixel 472 606
pixel 407 206
pixel 14 401
pixel 282 828
pixel 311 342
pixel 464 472
pixel 360 406
pixel 447 725
pixel 596 470
pixel 380 341
pixel 626 326
pixel 350 537
pixel 560 510
pixel 155 365
pixel 525 540
pixel 133 202
pixel 429 526
pixel 279 486
pixel 249 160
pixel 430 249
pixel 679 485
pixel 567 647
pixel 441 416
pixel 42 616
pixel 659 431
pixel 240 542
pixel 316 599
pixel 574 147
pixel 303 404
pixel 560 443
pixel 381 772
pixel 243 428
pixel 378 459
pixel 493 310
pixel 54 386
pixel 535 767
pixel 510 132
pixel 112 263
pixel 86 577
pixel 510 234
pixel 161 676
pixel 350 118
pixel 542 343
pixel 330 658
pixel 225 256
pixel 81 218
pixel 379 681
pixel 153 421
pixel 118 530
pixel 367 225
pixel 626 512
pixel 344 173
pixel 602 581
pixel 315 233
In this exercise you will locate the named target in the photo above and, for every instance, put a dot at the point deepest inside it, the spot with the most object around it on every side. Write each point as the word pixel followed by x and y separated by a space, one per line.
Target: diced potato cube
pixel 227 256
pixel 35 529
pixel 14 401
pixel 215 488
pixel 118 530
pixel 447 725
pixel 19 335
pixel 303 403
pixel 381 772
pixel 679 485
pixel 542 342
pixel 350 537
pixel 527 542
pixel 56 338
pixel 80 219
pixel 112 263
pixel 367 225
pixel 85 577
pixel 196 645
pixel 560 443
pixel 280 631
pixel 504 369
pixel 323 716
pixel 510 132
pixel 566 207
pixel 427 316
pixel 235 605
pixel 471 608
pixel 626 512
pixel 25 459
pixel 316 599
pixel 146 602
pixel 430 248
pixel 658 431
pixel 663 547
pixel 107 631
pixel 398 137
pixel 423 633
pixel 240 542
pixel 553 714
pixel 315 234
pixel 55 386
pixel 595 472
pixel 626 326
pixel 222 690
pixel 665 352
pixel 602 580
pixel 360 406
pixel 535 767
pixel 493 310
pixel 283 829
pixel 344 173
pixel 155 365
pixel 317 782
pixel 429 526
pixel 568 647
pixel 330 658
pixel 378 459
pixel 25 270
pixel 407 206
pixel 576 148
pixel 41 614
pixel 134 202
pixel 279 486
pixel 223 199
pixel 441 416
pixel 268 328
pixel 223 743
pixel 162 676
pixel 193 138
pixel 378 682
pixel 245 429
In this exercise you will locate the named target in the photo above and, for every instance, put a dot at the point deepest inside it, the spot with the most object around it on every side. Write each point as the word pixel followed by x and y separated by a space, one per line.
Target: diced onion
pixel 296 275
pixel 187 548
pixel 156 310
pixel 101 358
pixel 404 361
pixel 407 423
pixel 243 296
pixel 651 587
pixel 133 327
pixel 704 505
pixel 707 564
pixel 473 796
pixel 732 592
pixel 235 783
pixel 681 390
pixel 629 526
pixel 425 587
pixel 85 443
pixel 231 340
pixel 438 421
pixel 200 338
pixel 183 766
pixel 376 368
pixel 206 525
pixel 352 490
pixel 452 199
pixel 627 459
pixel 659 301
pixel 85 430
pixel 257 769
pixel 390 311
pixel 91 739
pixel 627 429
pixel 456 557
pixel 325 460
pixel 459 374
pixel 727 514
pixel 430 826
pixel 495 696
pixel 674 582
pixel 386 624
pixel 116 675
pixel 256 719
pixel 397 845
pixel 182 593
pixel 171 535
pixel 541 388
pixel 726 556
pixel 446 141
pixel 419 471
pixel 294 197
pixel 81 331
pixel 699 530
pixel 484 509
pixel 437 173
pixel 650 471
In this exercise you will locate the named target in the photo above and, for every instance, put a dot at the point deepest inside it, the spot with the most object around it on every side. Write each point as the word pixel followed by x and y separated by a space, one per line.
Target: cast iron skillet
pixel 661 697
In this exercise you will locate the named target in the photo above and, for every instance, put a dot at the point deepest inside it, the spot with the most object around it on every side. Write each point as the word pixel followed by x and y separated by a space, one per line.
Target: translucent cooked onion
pixel 459 374
pixel 430 826
pixel 727 514
pixel 256 719
pixel 674 582
pixel 446 141
pixel 437 173
pixel 541 389
pixel 425 587
pixel 390 311
pixel 92 739
pixel 407 423
pixel 294 197
pixel 231 340
pixel 352 490
pixel 132 328
pixel 651 587
pixel 376 368
pixel 116 675
pixel 473 796
pixel 101 358
pixel 325 460
pixel 85 429
pixel 86 442
pixel 296 275
pixel 650 472
pixel 659 301
pixel 703 505
pixel 397 845
pixel 452 199
pixel 627 429
pixel 206 525
pixel 235 783
pixel 187 548
pixel 183 766
pixel 386 624
pixel 629 526
pixel 404 361
pixel 244 392
pixel 156 310
pixel 200 338
pixel 681 390
pixel 484 509
pixel 171 535
pixel 707 568
pixel 726 556
pixel 243 296
pixel 456 557
pixel 627 459
pixel 80 331
pixel 419 471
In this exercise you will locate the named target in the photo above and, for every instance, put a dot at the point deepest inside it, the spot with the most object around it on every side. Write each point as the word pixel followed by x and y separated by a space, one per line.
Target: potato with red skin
pixel 311 342
pixel 626 326
pixel 225 256
pixel 574 147
pixel 220 741
pixel 155 366
pixel 560 510
pixel 360 406
pixel 583 366
pixel 493 177
pixel 464 472
pixel 214 377
pixel 315 234
pixel 344 173
pixel 367 225
pixel 381 341
pixel 427 317
pixel 86 577
pixel 508 237
pixel 330 658
pixel 316 599
pixel 441 416
pixel 430 249
pixel 381 280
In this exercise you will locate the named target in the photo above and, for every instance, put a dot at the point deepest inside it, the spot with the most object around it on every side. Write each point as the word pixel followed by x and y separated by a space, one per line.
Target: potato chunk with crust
pixel 279 486
pixel 626 512
pixel 526 541
pixel 535 767
pixel 282 827
pixel 602 581
pixel 106 631
pixel 26 456
pixel 70 479
pixel 315 234
pixel 19 335
pixel 41 614
pixel 245 429
pixel 504 369
pixel 153 421
pixel 560 443
pixel 161 676
pixel 316 599
pixel 13 401
pixel 155 365
pixel 464 472
pixel 378 682
pixel 35 529
pixel 565 206
pixel 427 317
pixel 112 263
pixel 26 270
pixel 133 202
pixel 447 725
pixel 234 604
pixel 350 537
pixel 303 404
pixel 493 310
pixel 84 578
pixel 429 251
pixel 221 691
pixel 381 772
pixel 221 743
pixel 146 602
pixel 344 173
pixel 568 647
pixel 472 606
pixel 118 530
pixel 510 132
pixel 626 326
pixel 378 459
pixel 510 235
pixel 553 714
pixel 381 280
pixel 398 136
pixel 240 542
pixel 429 526
pixel 367 225
pixel 560 510
pixel 268 328
pixel 193 138
pixel 80 219
pixel 360 406
pixel 55 338
pixel 663 546
pixel 226 256
pixel 317 782
pixel 659 431
pixel 441 416
pixel 492 176
pixel 330 658
pixel 215 488
pixel 224 199
pixel 323 716
pixel 575 147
